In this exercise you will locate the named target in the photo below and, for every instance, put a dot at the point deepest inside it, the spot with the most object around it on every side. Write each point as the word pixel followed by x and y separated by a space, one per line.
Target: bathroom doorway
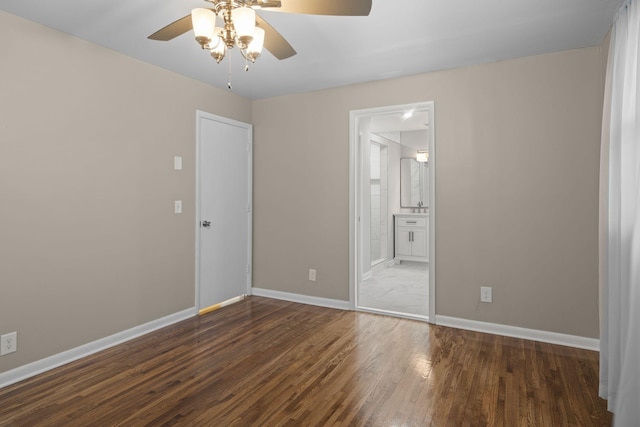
pixel 392 237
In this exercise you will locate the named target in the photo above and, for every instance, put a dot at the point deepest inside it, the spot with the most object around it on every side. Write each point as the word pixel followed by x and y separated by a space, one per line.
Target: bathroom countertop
pixel 412 213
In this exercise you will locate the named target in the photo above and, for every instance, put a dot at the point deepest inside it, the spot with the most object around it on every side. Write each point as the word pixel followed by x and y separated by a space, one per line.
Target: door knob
pixel 206 224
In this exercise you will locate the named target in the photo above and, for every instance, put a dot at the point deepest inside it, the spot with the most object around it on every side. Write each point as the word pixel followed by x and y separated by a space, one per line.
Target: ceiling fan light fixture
pixel 240 25
pixel 244 22
pixel 204 23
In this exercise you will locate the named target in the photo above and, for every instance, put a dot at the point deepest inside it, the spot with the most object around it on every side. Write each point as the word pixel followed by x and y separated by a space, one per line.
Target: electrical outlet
pixel 485 294
pixel 312 275
pixel 8 343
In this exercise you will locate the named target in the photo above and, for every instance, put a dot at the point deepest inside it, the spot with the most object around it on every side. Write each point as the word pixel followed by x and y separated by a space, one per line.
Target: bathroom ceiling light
pixel 407 115
pixel 422 156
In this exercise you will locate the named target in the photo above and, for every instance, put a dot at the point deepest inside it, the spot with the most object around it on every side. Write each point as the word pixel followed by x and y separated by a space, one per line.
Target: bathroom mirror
pixel 414 183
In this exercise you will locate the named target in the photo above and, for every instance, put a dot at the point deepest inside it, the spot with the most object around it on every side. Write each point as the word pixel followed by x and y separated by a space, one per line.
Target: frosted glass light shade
pixel 219 50
pixel 244 22
pixel 204 24
pixel 255 47
pixel 215 43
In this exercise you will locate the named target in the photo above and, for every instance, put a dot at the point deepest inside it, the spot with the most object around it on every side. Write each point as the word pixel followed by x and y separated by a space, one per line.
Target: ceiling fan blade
pixel 173 30
pixel 325 7
pixel 274 42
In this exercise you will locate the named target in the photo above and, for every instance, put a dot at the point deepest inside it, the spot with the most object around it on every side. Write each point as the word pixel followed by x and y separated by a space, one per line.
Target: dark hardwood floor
pixel 263 362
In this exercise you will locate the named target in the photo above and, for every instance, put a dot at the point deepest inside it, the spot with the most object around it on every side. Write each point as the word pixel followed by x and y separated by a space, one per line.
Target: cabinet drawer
pixel 411 222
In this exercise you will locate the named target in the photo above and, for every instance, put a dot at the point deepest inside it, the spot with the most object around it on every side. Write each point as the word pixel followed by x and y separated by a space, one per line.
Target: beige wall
pixel 517 188
pixel 89 244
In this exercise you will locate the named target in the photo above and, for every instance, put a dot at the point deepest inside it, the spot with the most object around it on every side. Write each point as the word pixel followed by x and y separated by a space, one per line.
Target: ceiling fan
pixel 243 28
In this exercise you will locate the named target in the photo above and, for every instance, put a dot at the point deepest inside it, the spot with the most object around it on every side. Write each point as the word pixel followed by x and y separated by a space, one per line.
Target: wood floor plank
pixel 263 362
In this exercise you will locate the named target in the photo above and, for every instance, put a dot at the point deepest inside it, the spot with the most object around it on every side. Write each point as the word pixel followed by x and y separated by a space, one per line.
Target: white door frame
pixel 204 115
pixel 355 202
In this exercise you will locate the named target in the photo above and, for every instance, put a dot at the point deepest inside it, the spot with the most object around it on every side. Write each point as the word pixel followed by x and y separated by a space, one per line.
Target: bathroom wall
pixel 394 150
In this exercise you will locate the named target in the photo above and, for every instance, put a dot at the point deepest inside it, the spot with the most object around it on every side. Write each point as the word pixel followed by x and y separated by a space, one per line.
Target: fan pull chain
pixel 229 74
pixel 246 64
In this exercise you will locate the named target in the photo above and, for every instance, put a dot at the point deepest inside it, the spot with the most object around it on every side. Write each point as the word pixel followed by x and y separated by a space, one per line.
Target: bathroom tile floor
pixel 402 288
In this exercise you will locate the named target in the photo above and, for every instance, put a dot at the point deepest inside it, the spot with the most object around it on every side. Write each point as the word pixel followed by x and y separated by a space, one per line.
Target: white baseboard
pixel 303 299
pixel 517 332
pixel 48 363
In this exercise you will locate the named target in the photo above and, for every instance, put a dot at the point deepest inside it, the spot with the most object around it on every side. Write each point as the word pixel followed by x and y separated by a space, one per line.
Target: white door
pixel 224 209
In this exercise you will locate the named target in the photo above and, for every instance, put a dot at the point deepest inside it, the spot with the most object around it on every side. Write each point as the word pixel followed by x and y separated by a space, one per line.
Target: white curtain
pixel 620 223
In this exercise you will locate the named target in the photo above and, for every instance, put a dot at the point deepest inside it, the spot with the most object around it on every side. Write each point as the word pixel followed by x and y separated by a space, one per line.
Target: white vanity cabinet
pixel 411 237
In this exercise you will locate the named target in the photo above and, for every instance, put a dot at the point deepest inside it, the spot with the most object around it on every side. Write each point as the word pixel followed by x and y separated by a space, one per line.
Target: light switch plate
pixel 177 163
pixel 177 207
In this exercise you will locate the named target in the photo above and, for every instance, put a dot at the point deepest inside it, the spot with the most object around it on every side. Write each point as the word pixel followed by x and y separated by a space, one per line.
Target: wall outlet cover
pixel 486 294
pixel 8 343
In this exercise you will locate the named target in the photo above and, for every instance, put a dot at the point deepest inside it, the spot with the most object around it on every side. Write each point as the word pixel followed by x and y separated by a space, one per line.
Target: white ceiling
pixel 400 37
pixel 399 122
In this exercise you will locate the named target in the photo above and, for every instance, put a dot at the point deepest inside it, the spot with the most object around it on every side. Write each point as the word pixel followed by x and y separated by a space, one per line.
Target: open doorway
pixel 392 211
